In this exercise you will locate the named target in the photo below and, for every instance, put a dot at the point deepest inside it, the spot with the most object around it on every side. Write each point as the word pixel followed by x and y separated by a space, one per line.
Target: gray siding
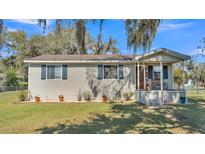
pixel 80 78
pixel 160 56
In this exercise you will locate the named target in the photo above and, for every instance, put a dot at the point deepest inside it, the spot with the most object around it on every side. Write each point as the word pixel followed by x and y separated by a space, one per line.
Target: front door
pixel 141 77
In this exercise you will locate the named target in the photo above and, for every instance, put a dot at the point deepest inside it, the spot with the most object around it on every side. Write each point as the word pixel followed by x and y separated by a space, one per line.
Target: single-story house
pixel 148 76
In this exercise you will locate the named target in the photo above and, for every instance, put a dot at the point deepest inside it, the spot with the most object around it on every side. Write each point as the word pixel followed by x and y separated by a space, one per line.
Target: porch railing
pixel 156 85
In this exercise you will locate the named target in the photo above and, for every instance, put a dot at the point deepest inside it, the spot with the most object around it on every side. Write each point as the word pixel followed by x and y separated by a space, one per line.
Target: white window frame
pixel 160 71
pixel 117 71
pixel 61 65
pixel 153 71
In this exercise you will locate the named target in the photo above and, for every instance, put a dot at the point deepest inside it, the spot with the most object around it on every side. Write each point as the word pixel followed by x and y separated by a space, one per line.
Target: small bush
pixel 87 95
pixel 128 96
pixel 112 101
pixel 22 96
pixel 11 78
pixel 79 96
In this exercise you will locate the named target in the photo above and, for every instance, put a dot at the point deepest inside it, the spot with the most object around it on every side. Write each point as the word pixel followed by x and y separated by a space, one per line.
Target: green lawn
pixel 100 117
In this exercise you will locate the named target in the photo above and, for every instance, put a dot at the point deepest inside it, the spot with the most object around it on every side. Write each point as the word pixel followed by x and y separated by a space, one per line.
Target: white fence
pixel 12 88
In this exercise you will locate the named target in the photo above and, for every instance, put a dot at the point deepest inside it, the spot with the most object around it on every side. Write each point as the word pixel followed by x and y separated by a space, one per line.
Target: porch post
pixel 161 79
pixel 183 74
pixel 173 77
pixel 138 80
pixel 138 75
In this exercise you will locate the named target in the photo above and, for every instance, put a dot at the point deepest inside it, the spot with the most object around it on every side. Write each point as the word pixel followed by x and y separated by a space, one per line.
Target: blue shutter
pixel 150 72
pixel 100 72
pixel 43 72
pixel 121 72
pixel 165 72
pixel 64 72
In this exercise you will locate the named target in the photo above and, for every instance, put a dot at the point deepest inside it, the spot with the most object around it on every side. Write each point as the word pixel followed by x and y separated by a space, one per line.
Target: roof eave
pixel 166 51
pixel 77 61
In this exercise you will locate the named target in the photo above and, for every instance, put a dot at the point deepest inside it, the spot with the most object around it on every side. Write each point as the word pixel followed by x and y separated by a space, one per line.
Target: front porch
pixel 155 78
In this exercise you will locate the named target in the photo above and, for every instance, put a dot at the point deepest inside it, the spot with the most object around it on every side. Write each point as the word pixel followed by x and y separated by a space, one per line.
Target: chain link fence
pixel 194 91
pixel 12 88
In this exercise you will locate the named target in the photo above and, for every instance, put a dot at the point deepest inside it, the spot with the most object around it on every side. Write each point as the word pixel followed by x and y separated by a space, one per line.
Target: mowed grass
pixel 100 117
pixel 29 117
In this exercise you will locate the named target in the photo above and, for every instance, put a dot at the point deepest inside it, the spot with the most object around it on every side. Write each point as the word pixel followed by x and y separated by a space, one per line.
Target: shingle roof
pixel 100 58
pixel 169 52
pixel 79 57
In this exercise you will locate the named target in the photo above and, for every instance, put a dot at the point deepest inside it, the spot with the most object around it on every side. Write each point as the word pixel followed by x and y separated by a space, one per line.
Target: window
pixel 110 72
pixel 54 72
pixel 156 72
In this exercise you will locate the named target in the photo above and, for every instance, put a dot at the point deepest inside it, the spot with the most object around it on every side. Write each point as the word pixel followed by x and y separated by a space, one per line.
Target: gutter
pixel 77 61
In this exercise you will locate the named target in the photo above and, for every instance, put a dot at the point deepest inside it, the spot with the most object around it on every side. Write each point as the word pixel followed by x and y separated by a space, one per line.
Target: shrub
pixel 127 96
pixel 112 101
pixel 23 84
pixel 178 76
pixel 11 78
pixel 87 95
pixel 22 96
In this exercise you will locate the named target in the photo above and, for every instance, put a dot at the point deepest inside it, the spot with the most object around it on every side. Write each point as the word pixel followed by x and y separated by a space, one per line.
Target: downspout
pixel 29 96
pixel 173 87
pixel 161 81
pixel 183 75
pixel 138 79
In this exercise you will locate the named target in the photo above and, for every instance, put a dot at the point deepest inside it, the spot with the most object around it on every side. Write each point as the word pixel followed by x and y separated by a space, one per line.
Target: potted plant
pixel 37 99
pixel 61 98
pixel 104 98
pixel 105 93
